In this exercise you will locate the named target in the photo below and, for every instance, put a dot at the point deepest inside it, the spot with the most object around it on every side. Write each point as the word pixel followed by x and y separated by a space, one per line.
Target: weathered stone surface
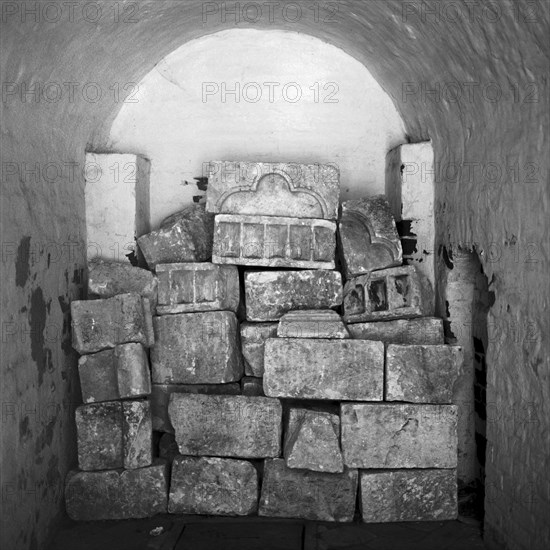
pixel 213 486
pixel 350 370
pixel 381 295
pixel 408 495
pixel 189 287
pixel 422 374
pixel 250 385
pixel 314 323
pixel 160 397
pixel 291 493
pixel 117 494
pixel 183 237
pixel 312 441
pixel 102 324
pixel 422 330
pixel 253 338
pixel 271 294
pixel 196 348
pixel 398 436
pixel 227 425
pixel 132 369
pixel 137 434
pixel 368 236
pixel 274 242
pixel 273 189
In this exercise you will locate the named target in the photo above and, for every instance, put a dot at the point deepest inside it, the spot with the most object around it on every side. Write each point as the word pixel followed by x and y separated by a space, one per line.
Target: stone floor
pixel 208 533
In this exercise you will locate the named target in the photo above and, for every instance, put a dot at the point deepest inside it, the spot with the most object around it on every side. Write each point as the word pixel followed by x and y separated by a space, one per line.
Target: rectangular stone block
pixel 102 324
pixel 227 425
pixel 290 493
pixel 382 295
pixel 408 495
pixel 137 434
pixel 314 323
pixel 253 338
pixel 273 189
pixel 251 385
pixel 274 242
pixel 271 294
pixel 348 370
pixel 422 374
pixel 422 330
pixel 196 348
pixel 398 436
pixel 117 494
pixel 132 369
pixel 190 287
pixel 213 486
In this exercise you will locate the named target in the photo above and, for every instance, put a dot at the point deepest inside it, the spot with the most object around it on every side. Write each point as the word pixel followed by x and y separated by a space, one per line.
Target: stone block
pixel 160 397
pixel 319 496
pixel 189 287
pixel 196 348
pixel 348 370
pixel 398 436
pixel 213 486
pixel 132 369
pixel 271 294
pixel 137 434
pixel 102 324
pixel 368 236
pixel 422 374
pixel 183 237
pixel 312 441
pixel 253 338
pixel 117 494
pixel 250 385
pixel 227 425
pixel 274 242
pixel 383 295
pixel 422 330
pixel 273 189
pixel 408 495
pixel 117 204
pixel 316 323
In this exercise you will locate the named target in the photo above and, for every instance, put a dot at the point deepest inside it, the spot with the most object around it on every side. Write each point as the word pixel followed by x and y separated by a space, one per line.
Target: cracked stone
pixel 253 338
pixel 137 434
pixel 422 330
pixel 317 323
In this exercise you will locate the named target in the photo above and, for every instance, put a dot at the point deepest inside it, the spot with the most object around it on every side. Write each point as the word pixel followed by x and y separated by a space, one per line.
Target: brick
pixel 273 189
pixel 422 374
pixel 398 436
pixel 251 385
pixel 383 295
pixel 117 494
pixel 368 236
pixel 213 486
pixel 271 294
pixel 319 323
pixel 291 493
pixel 350 370
pixel 190 287
pixel 137 434
pixel 274 242
pixel 408 495
pixel 253 338
pixel 422 330
pixel 102 324
pixel 227 425
pixel 196 348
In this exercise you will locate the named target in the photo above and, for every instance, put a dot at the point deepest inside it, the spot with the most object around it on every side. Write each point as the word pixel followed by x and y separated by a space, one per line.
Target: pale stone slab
pixel 196 348
pixel 213 486
pixel 117 494
pixel 137 434
pixel 273 189
pixel 227 425
pixel 102 324
pixel 274 242
pixel 350 370
pixel 383 295
pixel 190 287
pixel 368 236
pixel 408 495
pixel 398 436
pixel 316 323
pixel 291 493
pixel 253 338
pixel 422 374
pixel 250 385
pixel 422 330
pixel 271 294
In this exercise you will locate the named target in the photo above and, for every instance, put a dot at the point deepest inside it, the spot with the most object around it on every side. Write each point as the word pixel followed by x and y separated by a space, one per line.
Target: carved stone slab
pixel 422 330
pixel 317 323
pixel 253 338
